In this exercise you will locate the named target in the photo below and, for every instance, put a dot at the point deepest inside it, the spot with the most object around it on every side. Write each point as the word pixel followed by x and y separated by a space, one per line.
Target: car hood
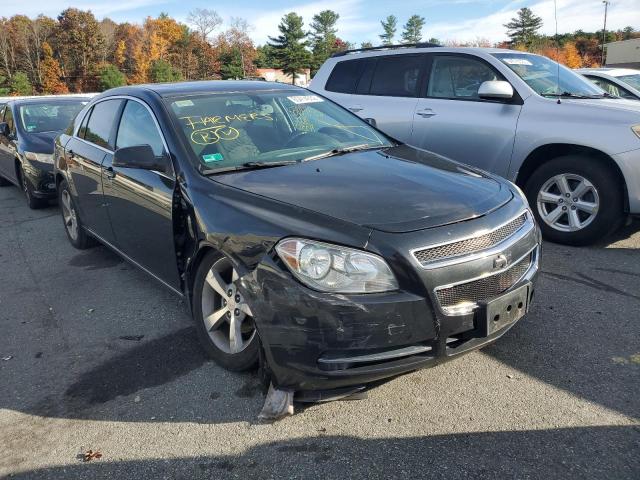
pixel 614 104
pixel 38 142
pixel 398 189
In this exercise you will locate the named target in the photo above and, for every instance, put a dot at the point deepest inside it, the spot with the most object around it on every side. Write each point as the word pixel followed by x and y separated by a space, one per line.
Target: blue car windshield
pixel 227 130
pixel 51 116
pixel 543 75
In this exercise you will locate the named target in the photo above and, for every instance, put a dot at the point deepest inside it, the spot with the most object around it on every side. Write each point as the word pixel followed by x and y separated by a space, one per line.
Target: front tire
pixel 224 320
pixel 76 234
pixel 33 202
pixel 576 200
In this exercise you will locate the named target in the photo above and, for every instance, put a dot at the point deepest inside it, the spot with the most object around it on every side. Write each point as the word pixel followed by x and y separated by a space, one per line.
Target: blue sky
pixel 360 19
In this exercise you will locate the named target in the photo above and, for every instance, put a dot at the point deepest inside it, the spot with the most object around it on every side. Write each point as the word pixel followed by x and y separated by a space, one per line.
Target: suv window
pixel 101 122
pixel 397 76
pixel 611 88
pixel 344 76
pixel 458 77
pixel 137 127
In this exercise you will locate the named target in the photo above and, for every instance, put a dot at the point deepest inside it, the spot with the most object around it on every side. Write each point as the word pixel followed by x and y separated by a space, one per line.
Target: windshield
pixel 541 74
pixel 633 80
pixel 226 130
pixel 50 116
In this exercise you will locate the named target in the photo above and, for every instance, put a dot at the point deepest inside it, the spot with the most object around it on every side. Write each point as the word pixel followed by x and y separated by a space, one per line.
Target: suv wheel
pixel 223 317
pixel 77 235
pixel 576 200
pixel 33 202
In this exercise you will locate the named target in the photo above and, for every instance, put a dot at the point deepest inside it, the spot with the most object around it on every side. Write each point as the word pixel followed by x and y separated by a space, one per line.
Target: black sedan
pixel 302 238
pixel 28 128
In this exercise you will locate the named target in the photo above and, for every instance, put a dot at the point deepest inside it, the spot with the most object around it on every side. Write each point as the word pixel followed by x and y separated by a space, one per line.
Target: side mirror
pixel 495 90
pixel 140 156
pixel 4 129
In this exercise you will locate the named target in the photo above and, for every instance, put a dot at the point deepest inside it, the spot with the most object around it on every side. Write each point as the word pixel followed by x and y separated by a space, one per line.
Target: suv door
pixel 8 148
pixel 454 121
pixel 387 93
pixel 85 153
pixel 140 201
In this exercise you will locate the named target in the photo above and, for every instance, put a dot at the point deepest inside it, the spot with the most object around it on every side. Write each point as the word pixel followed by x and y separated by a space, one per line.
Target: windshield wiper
pixel 565 94
pixel 342 151
pixel 247 166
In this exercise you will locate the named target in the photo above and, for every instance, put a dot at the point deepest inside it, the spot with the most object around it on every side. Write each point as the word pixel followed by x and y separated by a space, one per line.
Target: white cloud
pixel 350 24
pixel 53 8
pixel 572 15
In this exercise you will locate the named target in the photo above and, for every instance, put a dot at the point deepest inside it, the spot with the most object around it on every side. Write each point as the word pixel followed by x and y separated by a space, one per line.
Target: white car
pixel 621 82
pixel 573 148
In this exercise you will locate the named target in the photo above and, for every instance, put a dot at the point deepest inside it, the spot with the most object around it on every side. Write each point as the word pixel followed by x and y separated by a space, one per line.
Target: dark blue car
pixel 28 128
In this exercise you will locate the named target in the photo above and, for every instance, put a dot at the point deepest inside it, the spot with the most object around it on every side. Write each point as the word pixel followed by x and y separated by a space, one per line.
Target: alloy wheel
pixel 227 317
pixel 568 202
pixel 69 215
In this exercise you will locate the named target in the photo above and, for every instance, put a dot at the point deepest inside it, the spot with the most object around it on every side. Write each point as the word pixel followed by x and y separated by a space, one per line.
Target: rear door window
pixel 397 76
pixel 101 123
pixel 611 88
pixel 458 77
pixel 8 118
pixel 344 77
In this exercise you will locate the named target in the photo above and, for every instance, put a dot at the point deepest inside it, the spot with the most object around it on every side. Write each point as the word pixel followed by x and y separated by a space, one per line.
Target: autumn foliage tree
pixel 51 72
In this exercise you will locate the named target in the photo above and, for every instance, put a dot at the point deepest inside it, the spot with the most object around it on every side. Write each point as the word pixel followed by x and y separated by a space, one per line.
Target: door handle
pixel 109 172
pixel 426 113
pixel 355 108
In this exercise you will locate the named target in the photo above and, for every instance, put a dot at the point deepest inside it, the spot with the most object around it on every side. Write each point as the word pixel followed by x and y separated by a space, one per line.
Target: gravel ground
pixel 96 355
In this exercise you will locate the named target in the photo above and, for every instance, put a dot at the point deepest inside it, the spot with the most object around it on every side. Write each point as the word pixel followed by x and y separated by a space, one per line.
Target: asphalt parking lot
pixel 96 355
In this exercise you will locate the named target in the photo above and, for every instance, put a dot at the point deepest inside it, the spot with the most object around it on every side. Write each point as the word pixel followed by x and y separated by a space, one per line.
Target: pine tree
pixel 111 77
pixel 323 34
pixel 413 29
pixel 290 47
pixel 20 84
pixel 523 28
pixel 389 25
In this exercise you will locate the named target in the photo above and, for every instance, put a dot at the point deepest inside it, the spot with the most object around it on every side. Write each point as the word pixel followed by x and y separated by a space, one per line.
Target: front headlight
pixel 636 130
pixel 336 269
pixel 39 157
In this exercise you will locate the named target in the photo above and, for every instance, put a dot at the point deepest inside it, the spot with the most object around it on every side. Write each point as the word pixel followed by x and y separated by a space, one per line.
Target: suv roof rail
pixel 387 47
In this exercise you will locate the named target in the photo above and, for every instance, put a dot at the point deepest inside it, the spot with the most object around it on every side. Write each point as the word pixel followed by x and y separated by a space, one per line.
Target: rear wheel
pixel 576 200
pixel 72 224
pixel 223 317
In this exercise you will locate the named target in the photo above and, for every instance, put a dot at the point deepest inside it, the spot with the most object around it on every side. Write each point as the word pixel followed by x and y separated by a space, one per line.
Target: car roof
pixel 36 100
pixel 399 49
pixel 613 72
pixel 199 87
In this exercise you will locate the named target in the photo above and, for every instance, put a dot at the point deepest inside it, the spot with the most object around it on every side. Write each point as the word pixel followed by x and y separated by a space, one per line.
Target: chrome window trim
pixel 526 227
pixel 155 121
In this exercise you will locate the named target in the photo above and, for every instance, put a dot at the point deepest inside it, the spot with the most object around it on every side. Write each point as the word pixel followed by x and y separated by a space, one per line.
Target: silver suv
pixel 573 148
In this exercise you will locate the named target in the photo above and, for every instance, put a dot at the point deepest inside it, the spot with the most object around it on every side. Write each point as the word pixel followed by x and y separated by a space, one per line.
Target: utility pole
pixel 604 31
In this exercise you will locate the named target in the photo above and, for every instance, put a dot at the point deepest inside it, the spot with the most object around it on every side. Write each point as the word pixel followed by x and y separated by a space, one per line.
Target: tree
pixel 366 45
pixel 435 41
pixel 3 90
pixel 265 56
pixel 389 25
pixel 20 84
pixel 572 58
pixel 627 33
pixel 231 64
pixel 205 21
pixel 413 29
pixel 290 47
pixel 323 35
pixel 523 28
pixel 51 72
pixel 80 42
pixel 163 71
pixel 111 77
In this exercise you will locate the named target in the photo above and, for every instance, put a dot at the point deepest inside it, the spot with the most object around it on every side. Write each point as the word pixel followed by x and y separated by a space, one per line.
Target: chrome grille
pixel 470 245
pixel 483 289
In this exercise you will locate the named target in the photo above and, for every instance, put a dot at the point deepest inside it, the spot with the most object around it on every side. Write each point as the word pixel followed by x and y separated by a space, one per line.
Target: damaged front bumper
pixel 319 341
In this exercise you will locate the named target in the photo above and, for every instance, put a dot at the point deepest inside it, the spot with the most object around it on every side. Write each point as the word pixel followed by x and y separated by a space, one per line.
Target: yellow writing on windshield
pixel 200 121
pixel 211 135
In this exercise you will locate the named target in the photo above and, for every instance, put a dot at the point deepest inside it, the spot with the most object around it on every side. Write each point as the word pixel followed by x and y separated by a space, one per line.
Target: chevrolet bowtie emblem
pixel 500 262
